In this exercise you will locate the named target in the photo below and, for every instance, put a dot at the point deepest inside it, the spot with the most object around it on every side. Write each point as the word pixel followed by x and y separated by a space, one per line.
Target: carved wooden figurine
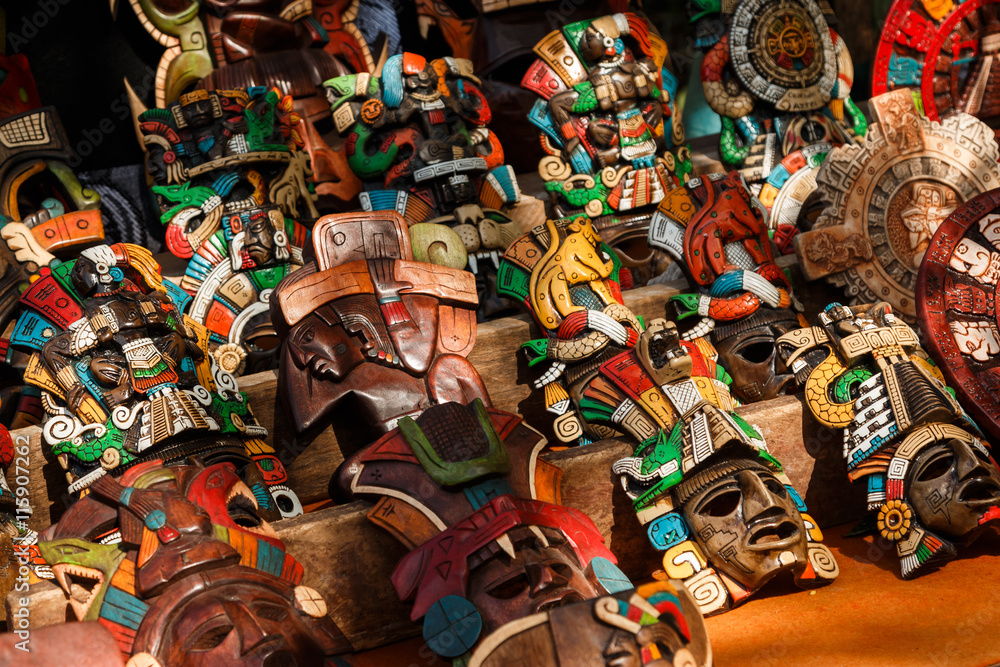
pixel 181 566
pixel 944 50
pixel 657 624
pixel 930 476
pixel 418 137
pixel 125 378
pixel 568 279
pixel 886 198
pixel 462 488
pixel 780 78
pixel 367 321
pixel 956 304
pixel 230 183
pixel 702 481
pixel 607 121
pixel 717 231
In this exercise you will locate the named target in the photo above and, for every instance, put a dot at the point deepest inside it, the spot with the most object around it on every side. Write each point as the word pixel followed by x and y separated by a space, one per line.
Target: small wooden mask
pixel 463 489
pixel 366 320
pixel 654 625
pixel 184 570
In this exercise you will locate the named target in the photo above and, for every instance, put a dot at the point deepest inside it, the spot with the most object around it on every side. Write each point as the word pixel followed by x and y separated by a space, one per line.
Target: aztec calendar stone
pixel 782 52
pixel 956 301
pixel 886 198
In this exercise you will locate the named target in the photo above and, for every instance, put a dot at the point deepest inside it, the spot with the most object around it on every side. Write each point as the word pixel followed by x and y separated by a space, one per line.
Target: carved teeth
pixel 63 461
pixel 504 542
pixel 538 533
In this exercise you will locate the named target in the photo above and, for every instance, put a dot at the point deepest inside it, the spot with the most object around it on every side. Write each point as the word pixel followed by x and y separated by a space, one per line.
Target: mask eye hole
pixel 775 487
pixel 756 353
pixel 939 466
pixel 722 503
pixel 509 588
pixel 211 638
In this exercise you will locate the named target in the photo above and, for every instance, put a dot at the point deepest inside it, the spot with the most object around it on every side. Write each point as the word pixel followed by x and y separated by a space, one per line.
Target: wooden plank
pixel 349 560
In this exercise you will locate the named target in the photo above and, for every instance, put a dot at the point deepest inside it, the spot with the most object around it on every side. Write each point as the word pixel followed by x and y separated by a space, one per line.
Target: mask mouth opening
pixel 774 533
pixel 980 490
pixel 562 599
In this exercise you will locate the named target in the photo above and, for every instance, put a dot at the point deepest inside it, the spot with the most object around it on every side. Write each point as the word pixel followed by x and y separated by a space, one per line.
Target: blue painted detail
pixel 318 29
pixel 262 495
pixel 461 89
pixel 833 305
pixel 32 330
pixel 643 162
pixel 778 176
pixel 255 91
pixel 583 441
pixel 156 520
pixel 727 283
pixel 392 81
pixel 505 177
pixel 904 71
pixel 874 445
pixel 748 127
pixel 619 45
pixel 206 144
pixel 581 161
pixel 542 119
pixel 876 484
pixel 270 558
pixel 116 274
pixel 389 299
pixel 54 207
pixel 88 381
pixel 225 182
pixel 452 626
pixel 485 491
pixel 180 298
pixel 126 494
pixel 800 504
pixel 383 200
pixel 669 83
pixel 613 579
pixel 124 609
pixel 667 530
pixel 198 268
pixel 216 338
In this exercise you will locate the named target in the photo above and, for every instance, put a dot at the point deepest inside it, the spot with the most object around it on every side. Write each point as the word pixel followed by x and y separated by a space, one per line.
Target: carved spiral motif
pixel 123 417
pixel 553 168
pixel 823 561
pixel 60 428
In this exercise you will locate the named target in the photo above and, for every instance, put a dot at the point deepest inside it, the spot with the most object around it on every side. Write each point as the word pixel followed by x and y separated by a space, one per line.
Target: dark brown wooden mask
pixel 745 521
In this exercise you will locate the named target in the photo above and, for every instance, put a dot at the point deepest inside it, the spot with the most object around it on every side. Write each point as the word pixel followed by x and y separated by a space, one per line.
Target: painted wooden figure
pixel 230 182
pixel 930 475
pixel 125 377
pixel 607 120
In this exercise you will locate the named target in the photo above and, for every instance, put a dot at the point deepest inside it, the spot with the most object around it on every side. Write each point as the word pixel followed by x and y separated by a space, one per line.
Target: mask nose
pixel 758 501
pixel 967 464
pixel 544 577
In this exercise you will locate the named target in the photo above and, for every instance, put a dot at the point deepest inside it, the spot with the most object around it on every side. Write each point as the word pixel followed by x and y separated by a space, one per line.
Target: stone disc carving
pixel 887 197
pixel 948 51
pixel 782 52
pixel 956 302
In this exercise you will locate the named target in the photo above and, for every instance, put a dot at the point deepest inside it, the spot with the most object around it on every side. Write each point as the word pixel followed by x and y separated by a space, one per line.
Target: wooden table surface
pixel 868 617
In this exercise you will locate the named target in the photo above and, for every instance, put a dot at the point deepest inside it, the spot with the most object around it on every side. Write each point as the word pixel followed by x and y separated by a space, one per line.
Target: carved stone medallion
pixel 783 53
pixel 946 50
pixel 956 303
pixel 887 197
